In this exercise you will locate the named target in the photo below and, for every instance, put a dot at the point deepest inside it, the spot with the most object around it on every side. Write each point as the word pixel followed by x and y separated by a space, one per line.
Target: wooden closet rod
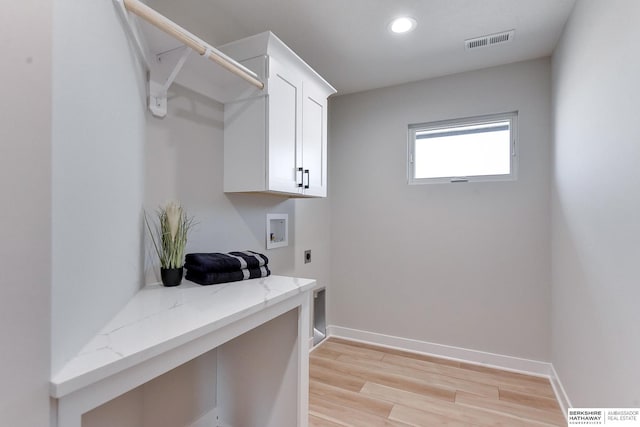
pixel 203 48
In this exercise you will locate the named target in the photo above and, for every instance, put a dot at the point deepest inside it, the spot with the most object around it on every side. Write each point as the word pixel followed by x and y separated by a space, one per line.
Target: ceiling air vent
pixel 489 40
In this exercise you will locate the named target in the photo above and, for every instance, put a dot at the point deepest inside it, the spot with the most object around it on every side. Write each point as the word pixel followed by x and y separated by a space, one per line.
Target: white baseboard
pixel 508 363
pixel 561 394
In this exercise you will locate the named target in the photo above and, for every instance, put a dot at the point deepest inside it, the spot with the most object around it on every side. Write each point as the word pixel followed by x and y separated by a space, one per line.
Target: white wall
pixel 595 205
pixel 98 172
pixel 458 264
pixel 177 398
pixel 258 374
pixel 184 161
pixel 25 218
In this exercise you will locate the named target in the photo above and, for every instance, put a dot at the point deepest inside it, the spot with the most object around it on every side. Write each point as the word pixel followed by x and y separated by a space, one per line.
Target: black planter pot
pixel 171 276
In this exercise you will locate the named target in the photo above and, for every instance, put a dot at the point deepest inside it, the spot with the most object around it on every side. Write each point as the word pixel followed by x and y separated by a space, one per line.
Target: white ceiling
pixel 347 41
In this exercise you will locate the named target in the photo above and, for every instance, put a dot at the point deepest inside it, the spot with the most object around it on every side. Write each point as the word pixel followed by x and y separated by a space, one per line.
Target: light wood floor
pixel 358 385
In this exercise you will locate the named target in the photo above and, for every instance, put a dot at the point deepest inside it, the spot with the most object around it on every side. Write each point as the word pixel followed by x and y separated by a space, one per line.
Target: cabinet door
pixel 314 140
pixel 284 134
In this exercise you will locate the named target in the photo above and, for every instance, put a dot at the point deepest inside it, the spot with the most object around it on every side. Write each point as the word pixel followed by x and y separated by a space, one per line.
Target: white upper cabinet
pixel 275 139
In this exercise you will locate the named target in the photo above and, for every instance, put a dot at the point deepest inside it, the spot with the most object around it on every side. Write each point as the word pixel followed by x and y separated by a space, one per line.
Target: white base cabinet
pixel 275 139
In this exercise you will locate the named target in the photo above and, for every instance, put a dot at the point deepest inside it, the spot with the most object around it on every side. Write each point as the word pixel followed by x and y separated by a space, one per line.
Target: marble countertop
pixel 159 319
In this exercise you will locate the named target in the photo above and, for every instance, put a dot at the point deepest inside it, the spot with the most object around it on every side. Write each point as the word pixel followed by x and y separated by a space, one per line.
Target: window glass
pixel 481 148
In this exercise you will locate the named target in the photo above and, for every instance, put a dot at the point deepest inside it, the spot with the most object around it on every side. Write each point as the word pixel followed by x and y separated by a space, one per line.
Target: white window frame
pixel 512 117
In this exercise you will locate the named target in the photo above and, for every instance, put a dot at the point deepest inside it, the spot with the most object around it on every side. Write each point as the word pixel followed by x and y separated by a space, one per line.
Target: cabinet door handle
pixel 308 178
pixel 300 184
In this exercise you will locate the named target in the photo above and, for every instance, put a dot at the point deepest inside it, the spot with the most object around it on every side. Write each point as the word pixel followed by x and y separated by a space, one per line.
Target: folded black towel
pixel 217 262
pixel 227 276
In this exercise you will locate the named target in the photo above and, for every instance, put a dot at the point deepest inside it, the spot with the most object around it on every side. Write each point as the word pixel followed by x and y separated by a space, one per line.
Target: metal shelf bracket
pixel 158 83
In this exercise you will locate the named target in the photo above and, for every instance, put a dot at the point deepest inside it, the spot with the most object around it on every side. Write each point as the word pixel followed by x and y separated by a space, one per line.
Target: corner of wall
pixel 97 179
pixel 561 394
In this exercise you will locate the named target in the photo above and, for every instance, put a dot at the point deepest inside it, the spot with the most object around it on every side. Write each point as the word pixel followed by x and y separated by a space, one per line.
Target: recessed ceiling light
pixel 403 24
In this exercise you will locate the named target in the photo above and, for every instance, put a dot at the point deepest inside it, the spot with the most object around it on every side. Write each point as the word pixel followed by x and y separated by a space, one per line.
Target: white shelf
pixel 161 328
pixel 198 73
pixel 171 53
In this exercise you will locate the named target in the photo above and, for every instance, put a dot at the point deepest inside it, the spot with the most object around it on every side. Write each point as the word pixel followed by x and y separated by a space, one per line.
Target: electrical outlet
pixel 307 256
